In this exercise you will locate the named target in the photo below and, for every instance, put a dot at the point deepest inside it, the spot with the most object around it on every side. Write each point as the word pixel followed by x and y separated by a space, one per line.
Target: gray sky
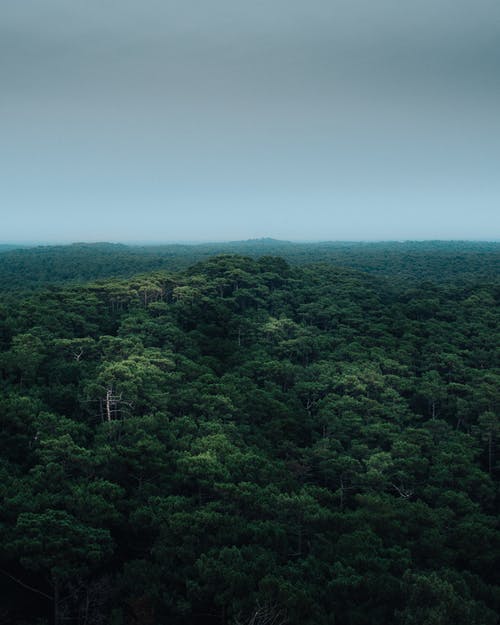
pixel 228 119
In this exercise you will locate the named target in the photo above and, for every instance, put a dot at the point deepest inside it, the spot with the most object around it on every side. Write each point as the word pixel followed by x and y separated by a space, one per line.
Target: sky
pixel 212 120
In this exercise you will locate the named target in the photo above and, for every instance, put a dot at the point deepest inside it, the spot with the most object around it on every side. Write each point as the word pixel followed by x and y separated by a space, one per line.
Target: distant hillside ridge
pixel 437 261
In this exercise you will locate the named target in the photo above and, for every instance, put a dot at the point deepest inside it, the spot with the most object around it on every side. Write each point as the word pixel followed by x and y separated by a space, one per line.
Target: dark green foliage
pixel 251 442
pixel 30 267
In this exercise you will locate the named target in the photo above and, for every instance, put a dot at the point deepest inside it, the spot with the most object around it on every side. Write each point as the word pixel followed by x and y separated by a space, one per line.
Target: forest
pixel 32 266
pixel 262 434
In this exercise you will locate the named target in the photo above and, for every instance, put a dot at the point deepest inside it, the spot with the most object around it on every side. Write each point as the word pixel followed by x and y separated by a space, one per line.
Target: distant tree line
pixel 440 261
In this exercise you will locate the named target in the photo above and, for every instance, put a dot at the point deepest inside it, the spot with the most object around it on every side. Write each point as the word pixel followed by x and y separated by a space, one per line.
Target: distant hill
pixel 439 261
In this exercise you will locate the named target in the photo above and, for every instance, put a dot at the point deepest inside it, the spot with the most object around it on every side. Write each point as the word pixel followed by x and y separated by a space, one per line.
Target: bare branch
pixel 404 492
pixel 266 614
pixel 78 355
pixel 27 586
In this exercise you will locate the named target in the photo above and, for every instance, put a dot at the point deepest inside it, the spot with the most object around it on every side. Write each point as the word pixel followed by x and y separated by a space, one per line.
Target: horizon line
pixel 194 242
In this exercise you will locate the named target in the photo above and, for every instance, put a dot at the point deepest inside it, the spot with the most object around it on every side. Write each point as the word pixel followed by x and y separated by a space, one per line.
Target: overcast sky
pixel 194 120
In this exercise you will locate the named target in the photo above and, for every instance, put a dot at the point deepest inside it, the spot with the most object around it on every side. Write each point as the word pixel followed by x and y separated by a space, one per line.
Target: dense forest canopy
pixel 251 439
pixel 434 260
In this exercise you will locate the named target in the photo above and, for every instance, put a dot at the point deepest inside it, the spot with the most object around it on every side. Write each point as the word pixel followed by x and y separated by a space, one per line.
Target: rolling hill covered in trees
pixel 250 439
pixel 31 267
